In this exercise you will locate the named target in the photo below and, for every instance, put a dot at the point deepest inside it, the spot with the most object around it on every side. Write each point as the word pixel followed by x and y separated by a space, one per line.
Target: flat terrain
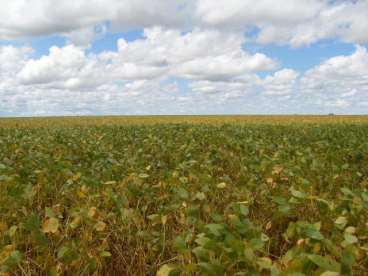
pixel 184 195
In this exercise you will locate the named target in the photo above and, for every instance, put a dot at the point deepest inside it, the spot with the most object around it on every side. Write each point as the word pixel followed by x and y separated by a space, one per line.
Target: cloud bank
pixel 191 58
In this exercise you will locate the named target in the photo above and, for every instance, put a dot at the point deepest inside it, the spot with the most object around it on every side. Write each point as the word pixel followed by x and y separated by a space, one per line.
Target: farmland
pixel 211 195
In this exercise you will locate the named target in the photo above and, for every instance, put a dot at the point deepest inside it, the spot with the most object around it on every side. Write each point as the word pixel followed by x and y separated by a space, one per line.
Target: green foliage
pixel 252 198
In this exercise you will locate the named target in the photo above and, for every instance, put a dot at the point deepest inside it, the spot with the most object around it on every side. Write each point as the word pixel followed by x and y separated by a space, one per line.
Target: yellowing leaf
pixel 221 185
pixel 164 219
pixel 269 225
pixel 350 239
pixel 341 222
pixel 100 226
pixel 277 169
pixel 350 230
pixel 3 227
pixel 9 248
pixel 75 223
pixel 81 194
pixel 92 212
pixel 165 270
pixel 50 225
pixel 77 176
pixel 105 254
pixel 12 230
pixel 330 273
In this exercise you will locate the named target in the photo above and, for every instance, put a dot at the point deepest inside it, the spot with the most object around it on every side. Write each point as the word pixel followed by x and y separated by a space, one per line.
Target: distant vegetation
pixel 184 196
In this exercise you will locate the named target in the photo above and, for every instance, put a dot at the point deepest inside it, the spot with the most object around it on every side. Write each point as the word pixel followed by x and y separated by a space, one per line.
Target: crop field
pixel 184 195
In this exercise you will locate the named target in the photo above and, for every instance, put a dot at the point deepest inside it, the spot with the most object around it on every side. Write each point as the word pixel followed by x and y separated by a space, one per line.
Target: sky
pixel 121 57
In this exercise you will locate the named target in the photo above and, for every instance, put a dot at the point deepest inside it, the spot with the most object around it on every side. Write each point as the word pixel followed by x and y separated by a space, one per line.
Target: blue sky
pixel 183 57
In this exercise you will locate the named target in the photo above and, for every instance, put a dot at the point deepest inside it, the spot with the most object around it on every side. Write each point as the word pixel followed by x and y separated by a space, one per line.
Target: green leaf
pixel 49 212
pixel 201 253
pixel 205 242
pixel 32 223
pixel 241 209
pixel 211 268
pixel 264 263
pixel 215 229
pixel 179 244
pixel 62 252
pixel 311 231
pixel 346 191
pixel 40 239
pixel 324 262
pixel 13 259
pixel 52 271
pixel 183 193
pixel 347 261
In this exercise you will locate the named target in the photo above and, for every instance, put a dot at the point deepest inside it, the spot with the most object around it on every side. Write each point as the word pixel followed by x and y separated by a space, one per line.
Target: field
pixel 214 195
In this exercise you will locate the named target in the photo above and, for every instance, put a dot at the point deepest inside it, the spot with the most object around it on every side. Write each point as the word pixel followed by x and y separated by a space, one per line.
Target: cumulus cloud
pixel 160 53
pixel 63 68
pixel 166 51
pixel 20 18
pixel 295 22
pixel 12 59
pixel 167 71
pixel 243 13
pixel 140 73
pixel 341 81
pixel 234 88
pixel 344 20
pixel 224 67
pixel 339 75
pixel 282 82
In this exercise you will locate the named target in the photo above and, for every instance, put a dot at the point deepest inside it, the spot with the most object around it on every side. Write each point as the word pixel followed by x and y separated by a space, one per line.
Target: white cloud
pixel 84 36
pixel 63 68
pixel 339 75
pixel 161 53
pixel 186 55
pixel 294 22
pixel 282 82
pixel 340 82
pixel 339 103
pixel 344 20
pixel 233 88
pixel 224 67
pixel 243 13
pixel 12 59
pixel 139 73
pixel 19 18
pixel 172 72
